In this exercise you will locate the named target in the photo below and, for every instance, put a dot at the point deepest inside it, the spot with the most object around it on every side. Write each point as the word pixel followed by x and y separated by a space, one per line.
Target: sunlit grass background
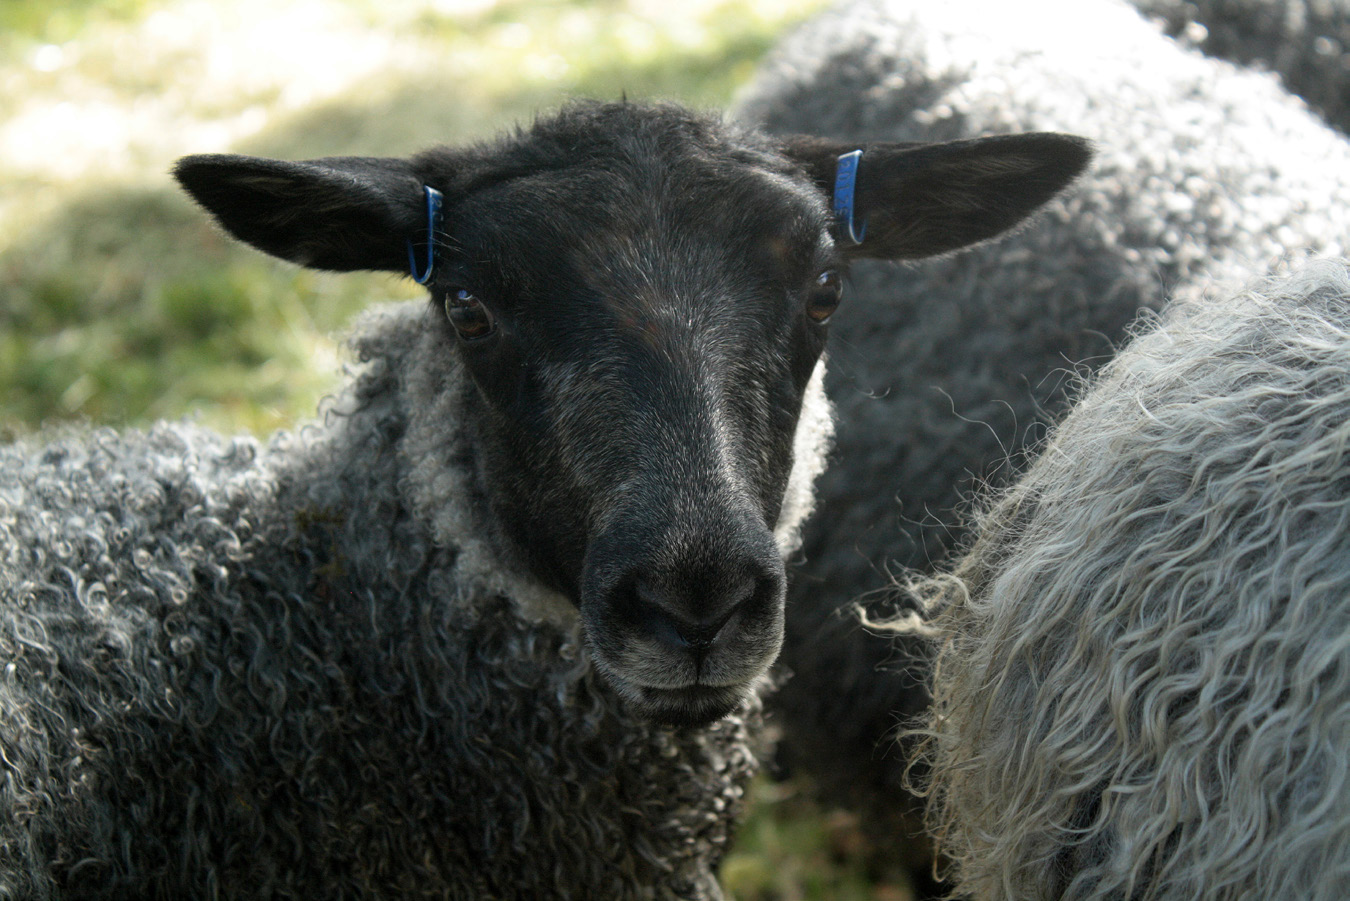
pixel 120 304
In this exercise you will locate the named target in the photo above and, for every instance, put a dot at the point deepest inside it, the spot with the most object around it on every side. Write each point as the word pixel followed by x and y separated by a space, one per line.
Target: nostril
pixel 704 634
pixel 696 623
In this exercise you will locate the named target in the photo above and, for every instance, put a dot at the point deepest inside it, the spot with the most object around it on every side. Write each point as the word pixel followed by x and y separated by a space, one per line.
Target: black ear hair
pixel 920 200
pixel 339 213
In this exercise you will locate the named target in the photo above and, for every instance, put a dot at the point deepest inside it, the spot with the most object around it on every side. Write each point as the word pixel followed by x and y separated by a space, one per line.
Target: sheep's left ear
pixel 920 200
pixel 339 213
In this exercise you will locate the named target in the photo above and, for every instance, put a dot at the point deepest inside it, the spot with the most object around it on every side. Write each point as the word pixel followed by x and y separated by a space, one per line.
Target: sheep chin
pixel 692 706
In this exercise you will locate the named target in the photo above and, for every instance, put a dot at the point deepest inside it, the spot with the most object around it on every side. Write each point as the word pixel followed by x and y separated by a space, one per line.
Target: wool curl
pixel 944 372
pixel 303 671
pixel 1142 687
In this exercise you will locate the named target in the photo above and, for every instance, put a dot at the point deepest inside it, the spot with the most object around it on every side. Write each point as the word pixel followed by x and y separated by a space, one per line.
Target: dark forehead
pixel 630 169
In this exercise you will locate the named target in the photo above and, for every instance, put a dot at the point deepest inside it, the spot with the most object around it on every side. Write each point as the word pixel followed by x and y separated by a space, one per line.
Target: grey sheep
pixel 1306 41
pixel 1143 687
pixel 943 371
pixel 496 626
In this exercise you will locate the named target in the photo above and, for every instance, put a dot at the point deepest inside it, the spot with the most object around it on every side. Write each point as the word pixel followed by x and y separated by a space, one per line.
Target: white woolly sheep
pixel 1143 687
pixel 942 371
pixel 1306 41
pixel 494 628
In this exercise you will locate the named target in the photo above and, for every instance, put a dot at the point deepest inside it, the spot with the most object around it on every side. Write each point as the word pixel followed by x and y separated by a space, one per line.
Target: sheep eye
pixel 468 315
pixel 823 298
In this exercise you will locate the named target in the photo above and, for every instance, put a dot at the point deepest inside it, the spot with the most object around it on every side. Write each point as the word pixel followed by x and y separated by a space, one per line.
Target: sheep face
pixel 639 298
pixel 643 382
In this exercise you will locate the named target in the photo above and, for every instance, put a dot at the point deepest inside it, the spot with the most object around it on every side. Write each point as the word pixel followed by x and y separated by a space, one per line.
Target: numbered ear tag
pixel 434 199
pixel 845 182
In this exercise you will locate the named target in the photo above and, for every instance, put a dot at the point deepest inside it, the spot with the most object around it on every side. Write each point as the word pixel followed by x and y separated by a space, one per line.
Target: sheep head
pixel 640 297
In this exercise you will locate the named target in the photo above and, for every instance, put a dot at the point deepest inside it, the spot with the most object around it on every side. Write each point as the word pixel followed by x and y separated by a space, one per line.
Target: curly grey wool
pixel 1143 689
pixel 1306 41
pixel 411 722
pixel 943 371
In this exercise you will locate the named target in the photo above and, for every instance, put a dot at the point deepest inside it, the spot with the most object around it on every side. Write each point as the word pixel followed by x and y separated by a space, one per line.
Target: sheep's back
pixel 1144 688
pixel 105 543
pixel 1306 41
pixel 943 372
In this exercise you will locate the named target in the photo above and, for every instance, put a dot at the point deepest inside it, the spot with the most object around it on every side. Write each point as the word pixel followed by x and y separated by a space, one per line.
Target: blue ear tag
pixel 433 223
pixel 845 181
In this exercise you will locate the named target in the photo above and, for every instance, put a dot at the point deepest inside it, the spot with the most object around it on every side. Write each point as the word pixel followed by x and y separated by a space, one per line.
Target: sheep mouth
pixel 692 705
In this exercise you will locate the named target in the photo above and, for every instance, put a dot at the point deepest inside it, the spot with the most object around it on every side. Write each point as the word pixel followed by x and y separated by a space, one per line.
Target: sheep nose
pixel 655 600
pixel 693 623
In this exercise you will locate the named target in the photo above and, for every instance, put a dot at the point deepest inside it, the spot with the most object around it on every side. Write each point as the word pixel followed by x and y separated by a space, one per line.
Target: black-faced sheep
pixel 494 627
pixel 944 370
pixel 1143 688
pixel 1306 41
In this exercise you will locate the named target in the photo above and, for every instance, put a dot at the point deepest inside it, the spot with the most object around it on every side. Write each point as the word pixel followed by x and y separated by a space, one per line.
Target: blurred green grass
pixel 27 20
pixel 120 303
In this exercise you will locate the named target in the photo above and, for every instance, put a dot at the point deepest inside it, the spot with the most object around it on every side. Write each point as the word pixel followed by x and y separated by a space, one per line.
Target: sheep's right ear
pixel 922 200
pixel 339 213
